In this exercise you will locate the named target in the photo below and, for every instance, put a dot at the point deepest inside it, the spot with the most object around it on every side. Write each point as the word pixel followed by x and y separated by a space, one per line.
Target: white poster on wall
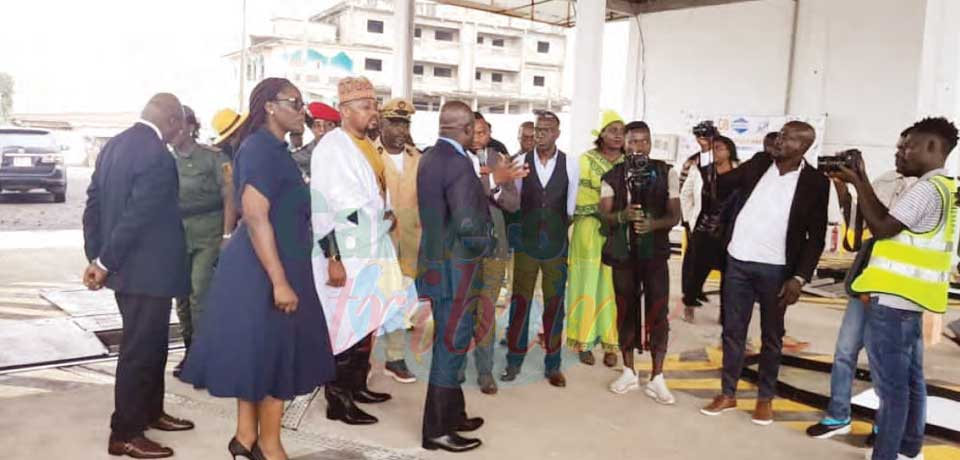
pixel 748 131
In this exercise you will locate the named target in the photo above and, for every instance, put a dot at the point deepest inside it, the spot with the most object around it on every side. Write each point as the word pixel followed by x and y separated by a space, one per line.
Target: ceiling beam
pixel 633 8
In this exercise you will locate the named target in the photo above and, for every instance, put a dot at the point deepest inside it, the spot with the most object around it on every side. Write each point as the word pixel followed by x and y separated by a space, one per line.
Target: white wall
pixel 722 59
pixel 861 70
pixel 856 61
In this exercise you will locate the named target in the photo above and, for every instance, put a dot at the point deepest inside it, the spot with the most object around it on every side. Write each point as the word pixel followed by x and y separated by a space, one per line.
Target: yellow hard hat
pixel 226 122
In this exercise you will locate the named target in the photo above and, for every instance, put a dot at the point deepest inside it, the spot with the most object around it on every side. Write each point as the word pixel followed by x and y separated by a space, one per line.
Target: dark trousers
pixel 445 408
pixel 704 254
pixel 353 365
pixel 744 284
pixel 526 268
pixel 644 282
pixel 138 392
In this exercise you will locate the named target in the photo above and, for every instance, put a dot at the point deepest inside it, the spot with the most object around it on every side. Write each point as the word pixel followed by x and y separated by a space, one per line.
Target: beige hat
pixel 355 88
pixel 398 108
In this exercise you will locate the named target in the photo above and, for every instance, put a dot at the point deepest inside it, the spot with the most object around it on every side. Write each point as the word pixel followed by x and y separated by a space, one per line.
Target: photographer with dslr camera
pixel 640 203
pixel 907 273
pixel 888 188
pixel 694 178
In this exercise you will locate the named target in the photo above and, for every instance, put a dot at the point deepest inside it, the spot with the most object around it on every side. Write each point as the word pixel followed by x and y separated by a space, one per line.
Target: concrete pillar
pixel 938 83
pixel 403 51
pixel 506 106
pixel 476 104
pixel 633 83
pixel 468 66
pixel 587 60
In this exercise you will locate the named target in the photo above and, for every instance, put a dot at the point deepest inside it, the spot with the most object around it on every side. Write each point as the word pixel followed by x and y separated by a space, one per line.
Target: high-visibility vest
pixel 915 266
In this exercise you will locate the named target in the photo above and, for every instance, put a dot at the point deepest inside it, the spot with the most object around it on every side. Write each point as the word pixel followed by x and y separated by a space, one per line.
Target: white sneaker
pixel 658 391
pixel 904 457
pixel 628 381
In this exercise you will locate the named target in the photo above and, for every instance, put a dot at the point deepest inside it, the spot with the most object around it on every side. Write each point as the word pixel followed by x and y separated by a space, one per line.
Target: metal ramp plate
pixel 26 342
pixel 295 410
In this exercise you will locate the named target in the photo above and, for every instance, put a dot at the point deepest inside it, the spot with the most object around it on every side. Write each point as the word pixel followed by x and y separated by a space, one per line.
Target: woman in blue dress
pixel 265 338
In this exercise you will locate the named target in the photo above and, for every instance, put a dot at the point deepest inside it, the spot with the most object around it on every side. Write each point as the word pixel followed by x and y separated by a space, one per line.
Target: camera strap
pixel 857 219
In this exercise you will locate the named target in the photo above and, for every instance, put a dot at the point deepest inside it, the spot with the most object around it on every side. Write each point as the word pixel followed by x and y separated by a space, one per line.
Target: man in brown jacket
pixel 401 162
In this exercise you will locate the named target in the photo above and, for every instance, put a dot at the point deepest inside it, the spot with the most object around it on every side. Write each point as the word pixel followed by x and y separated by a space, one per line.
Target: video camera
pixel 832 163
pixel 706 129
pixel 639 176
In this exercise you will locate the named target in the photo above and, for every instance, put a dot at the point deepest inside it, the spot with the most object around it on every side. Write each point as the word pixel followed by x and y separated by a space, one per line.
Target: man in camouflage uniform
pixel 209 216
pixel 401 161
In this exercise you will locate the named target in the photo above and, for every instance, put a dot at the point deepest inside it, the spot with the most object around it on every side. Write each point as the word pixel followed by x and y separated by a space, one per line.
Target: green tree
pixel 6 96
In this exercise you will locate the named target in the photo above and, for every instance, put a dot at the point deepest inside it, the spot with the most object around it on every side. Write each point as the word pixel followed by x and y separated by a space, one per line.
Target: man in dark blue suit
pixel 134 240
pixel 457 234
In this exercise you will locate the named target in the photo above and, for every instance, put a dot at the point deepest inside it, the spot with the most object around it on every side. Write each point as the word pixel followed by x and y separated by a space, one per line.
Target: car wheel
pixel 60 197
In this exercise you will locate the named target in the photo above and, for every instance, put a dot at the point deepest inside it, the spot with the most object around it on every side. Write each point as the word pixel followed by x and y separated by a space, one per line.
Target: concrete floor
pixel 67 414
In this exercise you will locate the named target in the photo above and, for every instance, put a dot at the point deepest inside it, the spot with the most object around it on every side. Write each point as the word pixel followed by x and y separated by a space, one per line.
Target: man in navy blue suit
pixel 134 240
pixel 457 234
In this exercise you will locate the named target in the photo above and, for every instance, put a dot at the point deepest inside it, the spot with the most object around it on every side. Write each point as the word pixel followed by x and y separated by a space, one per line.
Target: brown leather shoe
pixel 139 447
pixel 169 423
pixel 720 404
pixel 557 379
pixel 763 413
pixel 609 359
pixel 586 357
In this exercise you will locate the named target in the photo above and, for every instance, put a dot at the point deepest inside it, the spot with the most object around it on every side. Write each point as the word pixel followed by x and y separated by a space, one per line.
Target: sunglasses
pixel 295 104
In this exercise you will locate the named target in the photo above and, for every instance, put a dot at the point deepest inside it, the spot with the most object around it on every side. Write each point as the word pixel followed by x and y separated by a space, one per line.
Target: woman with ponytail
pixel 264 338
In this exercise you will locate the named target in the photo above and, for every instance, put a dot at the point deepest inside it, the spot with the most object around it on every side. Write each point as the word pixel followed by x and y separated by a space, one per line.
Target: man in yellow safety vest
pixel 907 273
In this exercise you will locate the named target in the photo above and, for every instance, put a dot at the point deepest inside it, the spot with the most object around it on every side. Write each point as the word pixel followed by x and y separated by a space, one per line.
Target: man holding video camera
pixel 640 203
pixel 908 272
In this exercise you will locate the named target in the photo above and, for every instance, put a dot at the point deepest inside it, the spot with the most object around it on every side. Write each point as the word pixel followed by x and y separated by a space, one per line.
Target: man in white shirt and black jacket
pixel 640 204
pixel 774 244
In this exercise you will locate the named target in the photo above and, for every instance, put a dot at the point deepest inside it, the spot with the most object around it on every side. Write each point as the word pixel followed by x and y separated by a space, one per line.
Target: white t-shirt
pixel 397 160
pixel 760 232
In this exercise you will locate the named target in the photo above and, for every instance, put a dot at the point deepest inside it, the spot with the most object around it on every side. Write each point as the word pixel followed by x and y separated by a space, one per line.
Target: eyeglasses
pixel 295 104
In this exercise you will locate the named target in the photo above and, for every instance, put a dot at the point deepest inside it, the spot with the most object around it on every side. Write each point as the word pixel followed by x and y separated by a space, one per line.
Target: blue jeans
pixel 850 341
pixel 895 349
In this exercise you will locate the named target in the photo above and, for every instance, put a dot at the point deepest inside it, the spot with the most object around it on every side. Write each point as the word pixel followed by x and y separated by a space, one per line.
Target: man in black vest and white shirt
pixel 545 198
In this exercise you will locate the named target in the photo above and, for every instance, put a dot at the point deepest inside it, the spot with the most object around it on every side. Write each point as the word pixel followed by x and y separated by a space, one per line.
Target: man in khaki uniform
pixel 209 216
pixel 401 161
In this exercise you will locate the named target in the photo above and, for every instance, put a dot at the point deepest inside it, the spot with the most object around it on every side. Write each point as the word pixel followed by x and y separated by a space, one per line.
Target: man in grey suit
pixel 134 240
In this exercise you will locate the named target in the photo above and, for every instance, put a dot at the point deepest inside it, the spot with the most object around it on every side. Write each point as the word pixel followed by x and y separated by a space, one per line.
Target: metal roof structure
pixel 564 12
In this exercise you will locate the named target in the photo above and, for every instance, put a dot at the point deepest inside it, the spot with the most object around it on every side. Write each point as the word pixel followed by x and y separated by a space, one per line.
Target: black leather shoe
pixel 470 424
pixel 510 374
pixel 340 406
pixel 452 443
pixel 366 396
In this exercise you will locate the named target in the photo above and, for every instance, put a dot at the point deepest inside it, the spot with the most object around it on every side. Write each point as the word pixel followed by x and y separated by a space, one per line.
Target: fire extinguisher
pixel 834 237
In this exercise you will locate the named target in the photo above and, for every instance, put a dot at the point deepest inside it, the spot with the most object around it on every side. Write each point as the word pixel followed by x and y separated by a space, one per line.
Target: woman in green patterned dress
pixel 591 303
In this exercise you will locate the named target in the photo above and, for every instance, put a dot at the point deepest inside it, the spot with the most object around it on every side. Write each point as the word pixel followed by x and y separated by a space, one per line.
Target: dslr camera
pixel 706 129
pixel 832 163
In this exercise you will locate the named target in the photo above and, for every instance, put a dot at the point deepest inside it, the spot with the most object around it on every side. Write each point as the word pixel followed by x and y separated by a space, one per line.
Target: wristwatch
pixel 801 280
